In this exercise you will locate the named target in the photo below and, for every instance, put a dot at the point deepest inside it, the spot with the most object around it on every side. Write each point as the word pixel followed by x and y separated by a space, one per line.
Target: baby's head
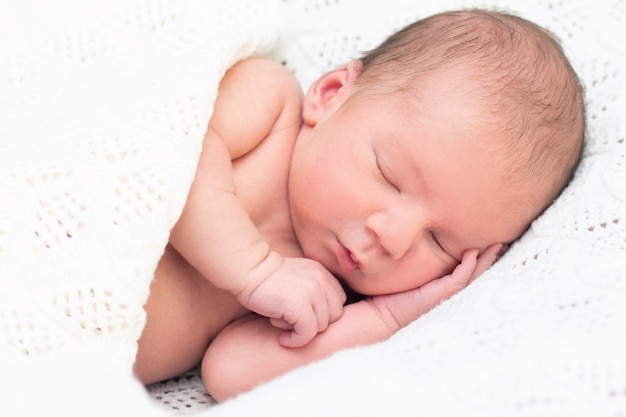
pixel 531 99
pixel 453 135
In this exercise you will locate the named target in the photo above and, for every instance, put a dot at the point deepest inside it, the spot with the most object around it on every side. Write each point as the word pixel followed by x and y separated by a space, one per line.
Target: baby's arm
pixel 215 233
pixel 246 354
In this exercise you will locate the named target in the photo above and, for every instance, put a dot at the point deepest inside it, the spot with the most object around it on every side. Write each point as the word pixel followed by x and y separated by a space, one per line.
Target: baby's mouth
pixel 346 259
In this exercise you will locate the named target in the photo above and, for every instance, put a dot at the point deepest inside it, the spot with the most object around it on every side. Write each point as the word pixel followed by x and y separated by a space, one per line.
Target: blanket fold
pixel 102 113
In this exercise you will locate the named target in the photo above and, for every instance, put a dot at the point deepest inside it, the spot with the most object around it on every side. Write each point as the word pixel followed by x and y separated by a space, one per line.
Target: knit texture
pixel 103 106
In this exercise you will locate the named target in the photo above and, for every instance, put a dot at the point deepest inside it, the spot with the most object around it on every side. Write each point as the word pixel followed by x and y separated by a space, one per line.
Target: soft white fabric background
pixel 102 109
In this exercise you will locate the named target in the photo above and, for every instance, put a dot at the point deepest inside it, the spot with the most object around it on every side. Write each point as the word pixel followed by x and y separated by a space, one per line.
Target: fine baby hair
pixel 532 98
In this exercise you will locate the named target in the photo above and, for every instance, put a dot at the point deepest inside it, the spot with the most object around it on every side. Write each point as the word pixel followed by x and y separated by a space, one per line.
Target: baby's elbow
pixel 220 373
pixel 217 380
pixel 228 366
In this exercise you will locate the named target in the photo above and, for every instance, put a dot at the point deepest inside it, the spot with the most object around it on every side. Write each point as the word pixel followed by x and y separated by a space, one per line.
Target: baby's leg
pixel 184 313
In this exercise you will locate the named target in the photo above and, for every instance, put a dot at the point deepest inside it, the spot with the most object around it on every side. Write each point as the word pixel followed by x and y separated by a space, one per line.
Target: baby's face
pixel 388 197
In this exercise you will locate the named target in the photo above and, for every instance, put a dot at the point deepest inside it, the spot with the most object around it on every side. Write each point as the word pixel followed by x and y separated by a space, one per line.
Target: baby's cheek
pixel 444 268
pixel 450 267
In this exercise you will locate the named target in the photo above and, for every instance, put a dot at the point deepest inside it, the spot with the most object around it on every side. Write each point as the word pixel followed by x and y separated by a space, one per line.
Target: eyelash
pixel 434 238
pixel 432 235
pixel 440 246
pixel 384 176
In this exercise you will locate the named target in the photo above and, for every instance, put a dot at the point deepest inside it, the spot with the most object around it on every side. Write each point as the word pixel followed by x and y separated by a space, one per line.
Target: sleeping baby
pixel 397 179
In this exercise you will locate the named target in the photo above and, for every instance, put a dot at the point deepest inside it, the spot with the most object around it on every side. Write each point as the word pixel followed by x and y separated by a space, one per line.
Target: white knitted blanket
pixel 103 105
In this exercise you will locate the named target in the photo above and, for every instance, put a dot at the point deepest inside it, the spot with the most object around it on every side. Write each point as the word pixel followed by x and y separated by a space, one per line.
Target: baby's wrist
pixel 387 319
pixel 258 274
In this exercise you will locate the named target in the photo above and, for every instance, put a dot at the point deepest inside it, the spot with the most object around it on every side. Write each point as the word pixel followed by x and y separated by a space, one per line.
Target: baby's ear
pixel 329 91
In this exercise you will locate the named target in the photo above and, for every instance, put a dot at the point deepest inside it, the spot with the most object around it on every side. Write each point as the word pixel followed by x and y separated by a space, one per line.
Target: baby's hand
pixel 301 297
pixel 400 309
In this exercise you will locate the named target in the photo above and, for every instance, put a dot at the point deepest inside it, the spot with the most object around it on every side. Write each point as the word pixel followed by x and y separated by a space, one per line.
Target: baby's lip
pixel 346 259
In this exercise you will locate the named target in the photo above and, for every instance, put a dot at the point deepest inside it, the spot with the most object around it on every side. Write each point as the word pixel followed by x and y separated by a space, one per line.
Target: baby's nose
pixel 396 231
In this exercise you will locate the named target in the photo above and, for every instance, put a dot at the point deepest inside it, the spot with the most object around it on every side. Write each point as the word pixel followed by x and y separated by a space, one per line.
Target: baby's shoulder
pixel 267 74
pixel 262 67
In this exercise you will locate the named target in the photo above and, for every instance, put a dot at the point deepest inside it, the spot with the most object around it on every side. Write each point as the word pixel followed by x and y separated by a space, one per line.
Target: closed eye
pixel 434 238
pixel 385 176
pixel 441 247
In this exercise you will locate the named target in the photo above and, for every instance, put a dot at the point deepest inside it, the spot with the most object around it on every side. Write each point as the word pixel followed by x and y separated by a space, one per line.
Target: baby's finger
pixel 464 271
pixel 338 290
pixel 304 330
pixel 449 285
pixel 335 299
pixel 335 306
pixel 486 259
pixel 281 323
pixel 321 311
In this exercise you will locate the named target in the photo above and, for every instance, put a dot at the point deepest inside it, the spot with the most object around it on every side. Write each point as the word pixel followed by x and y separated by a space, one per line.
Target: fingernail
pixel 501 252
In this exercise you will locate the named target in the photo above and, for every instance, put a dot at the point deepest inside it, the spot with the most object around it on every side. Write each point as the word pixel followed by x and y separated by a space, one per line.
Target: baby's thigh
pixel 184 313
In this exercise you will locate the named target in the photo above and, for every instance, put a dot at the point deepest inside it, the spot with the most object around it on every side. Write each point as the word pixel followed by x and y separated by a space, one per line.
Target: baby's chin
pixel 357 292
